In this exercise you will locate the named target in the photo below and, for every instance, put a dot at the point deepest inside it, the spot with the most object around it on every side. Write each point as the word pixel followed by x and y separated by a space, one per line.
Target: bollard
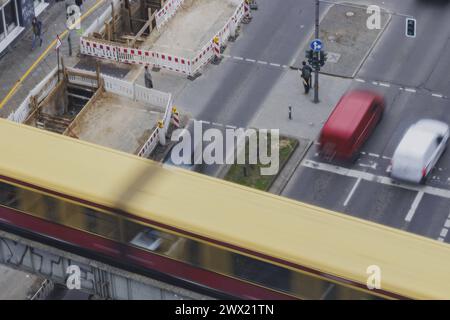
pixel 290 113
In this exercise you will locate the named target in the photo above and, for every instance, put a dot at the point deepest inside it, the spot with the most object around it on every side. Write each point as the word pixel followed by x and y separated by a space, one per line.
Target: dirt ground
pixel 194 24
pixel 119 123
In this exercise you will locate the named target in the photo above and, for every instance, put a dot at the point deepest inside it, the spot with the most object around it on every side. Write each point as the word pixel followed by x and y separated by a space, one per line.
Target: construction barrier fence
pixel 187 66
pixel 40 92
pixel 167 12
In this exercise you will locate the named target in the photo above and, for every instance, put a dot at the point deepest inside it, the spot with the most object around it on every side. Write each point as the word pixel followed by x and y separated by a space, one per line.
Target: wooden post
pixel 127 6
pixel 97 71
pixel 150 18
pixel 113 26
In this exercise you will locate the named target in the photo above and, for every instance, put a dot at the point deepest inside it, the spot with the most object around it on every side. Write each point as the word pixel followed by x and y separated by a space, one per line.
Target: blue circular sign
pixel 316 45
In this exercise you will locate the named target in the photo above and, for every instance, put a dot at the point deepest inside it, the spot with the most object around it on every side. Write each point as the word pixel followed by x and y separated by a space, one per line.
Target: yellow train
pixel 208 234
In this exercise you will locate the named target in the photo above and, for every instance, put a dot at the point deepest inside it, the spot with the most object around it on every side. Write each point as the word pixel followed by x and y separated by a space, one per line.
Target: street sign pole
pixel 57 57
pixel 316 83
pixel 58 44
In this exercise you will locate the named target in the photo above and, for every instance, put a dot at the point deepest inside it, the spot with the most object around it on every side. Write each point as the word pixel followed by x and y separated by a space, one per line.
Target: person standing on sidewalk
pixel 306 76
pixel 37 29
pixel 148 78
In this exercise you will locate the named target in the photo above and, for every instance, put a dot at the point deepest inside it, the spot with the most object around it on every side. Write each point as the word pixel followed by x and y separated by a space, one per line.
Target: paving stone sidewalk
pixel 19 58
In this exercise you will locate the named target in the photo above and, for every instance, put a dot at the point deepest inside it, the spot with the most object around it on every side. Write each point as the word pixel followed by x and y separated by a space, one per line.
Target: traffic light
pixel 411 27
pixel 310 56
pixel 323 58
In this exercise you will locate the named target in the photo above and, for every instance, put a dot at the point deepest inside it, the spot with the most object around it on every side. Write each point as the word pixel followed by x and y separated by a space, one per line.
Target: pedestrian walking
pixel 306 76
pixel 148 78
pixel 37 30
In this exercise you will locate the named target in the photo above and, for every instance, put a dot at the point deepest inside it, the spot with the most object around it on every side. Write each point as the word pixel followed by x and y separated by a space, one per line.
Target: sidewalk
pixel 307 117
pixel 15 63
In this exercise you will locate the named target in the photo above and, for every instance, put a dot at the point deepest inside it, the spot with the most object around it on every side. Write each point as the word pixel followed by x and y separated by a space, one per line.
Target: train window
pixel 8 195
pixel 103 224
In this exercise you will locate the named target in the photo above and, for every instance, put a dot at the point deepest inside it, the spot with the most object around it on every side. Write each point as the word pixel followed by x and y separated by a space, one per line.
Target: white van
pixel 419 150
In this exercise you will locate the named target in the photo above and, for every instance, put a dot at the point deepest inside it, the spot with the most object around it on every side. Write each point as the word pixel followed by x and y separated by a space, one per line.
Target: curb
pixel 295 167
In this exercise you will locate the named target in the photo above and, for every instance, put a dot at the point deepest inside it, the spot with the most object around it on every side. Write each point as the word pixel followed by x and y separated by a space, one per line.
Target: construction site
pixel 127 22
pixel 182 36
pixel 193 26
pixel 102 110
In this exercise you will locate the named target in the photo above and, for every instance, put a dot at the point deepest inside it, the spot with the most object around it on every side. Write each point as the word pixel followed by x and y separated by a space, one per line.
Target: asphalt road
pixel 413 75
pixel 234 90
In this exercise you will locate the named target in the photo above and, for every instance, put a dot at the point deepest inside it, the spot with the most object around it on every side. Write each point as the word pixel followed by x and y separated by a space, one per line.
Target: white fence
pixel 167 12
pixel 140 94
pixel 188 66
pixel 150 145
pixel 117 86
pixel 99 23
pixel 40 91
pixel 111 84
pixel 80 80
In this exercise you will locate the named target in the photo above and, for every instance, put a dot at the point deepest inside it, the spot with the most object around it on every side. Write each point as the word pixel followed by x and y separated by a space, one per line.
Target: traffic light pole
pixel 316 83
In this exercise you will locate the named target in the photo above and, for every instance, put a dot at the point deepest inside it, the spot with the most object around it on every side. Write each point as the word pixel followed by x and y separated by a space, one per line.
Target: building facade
pixel 15 16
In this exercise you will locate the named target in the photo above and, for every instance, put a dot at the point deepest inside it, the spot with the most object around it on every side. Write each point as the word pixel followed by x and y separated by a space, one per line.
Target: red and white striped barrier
pixel 187 66
pixel 247 10
pixel 175 117
pixel 167 12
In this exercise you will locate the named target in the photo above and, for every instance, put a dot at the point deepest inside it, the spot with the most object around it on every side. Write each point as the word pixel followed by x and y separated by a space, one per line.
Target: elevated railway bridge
pixel 140 229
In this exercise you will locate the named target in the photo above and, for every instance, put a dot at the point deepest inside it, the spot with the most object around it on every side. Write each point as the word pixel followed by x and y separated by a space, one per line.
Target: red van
pixel 350 124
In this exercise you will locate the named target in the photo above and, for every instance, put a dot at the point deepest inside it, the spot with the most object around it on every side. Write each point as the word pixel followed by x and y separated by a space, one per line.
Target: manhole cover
pixel 350 14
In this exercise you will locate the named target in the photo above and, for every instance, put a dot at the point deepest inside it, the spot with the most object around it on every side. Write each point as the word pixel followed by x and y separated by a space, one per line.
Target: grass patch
pixel 250 175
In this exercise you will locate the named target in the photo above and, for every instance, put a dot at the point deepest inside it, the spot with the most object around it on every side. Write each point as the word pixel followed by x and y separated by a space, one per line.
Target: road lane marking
pixel 374 155
pixel 275 65
pixel 444 232
pixel 436 95
pixel 444 193
pixel 262 62
pixel 360 80
pixel 447 223
pixel 387 85
pixel 238 58
pixel 441 239
pixel 250 60
pixel 414 206
pixel 410 90
pixel 352 192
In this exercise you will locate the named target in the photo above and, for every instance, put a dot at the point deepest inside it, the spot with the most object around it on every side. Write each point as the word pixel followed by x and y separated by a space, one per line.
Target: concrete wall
pixel 96 277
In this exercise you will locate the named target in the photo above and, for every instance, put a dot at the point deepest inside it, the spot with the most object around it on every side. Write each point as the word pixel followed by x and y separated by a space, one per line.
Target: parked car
pixel 419 150
pixel 350 124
